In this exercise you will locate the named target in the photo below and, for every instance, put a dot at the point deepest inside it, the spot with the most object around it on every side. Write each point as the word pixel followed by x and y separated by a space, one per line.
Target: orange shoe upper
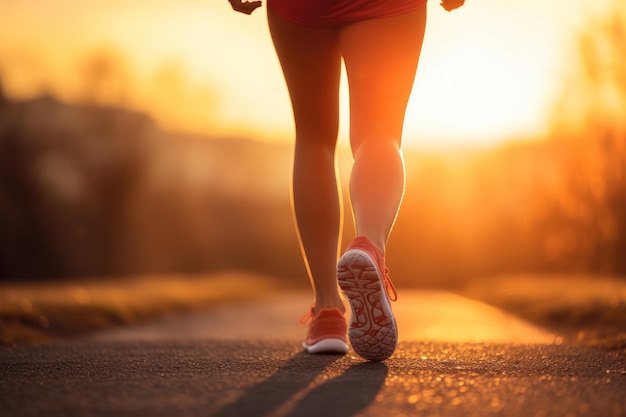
pixel 328 323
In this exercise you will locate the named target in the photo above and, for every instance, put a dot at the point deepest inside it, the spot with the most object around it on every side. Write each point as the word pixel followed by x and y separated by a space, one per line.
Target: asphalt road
pixel 208 373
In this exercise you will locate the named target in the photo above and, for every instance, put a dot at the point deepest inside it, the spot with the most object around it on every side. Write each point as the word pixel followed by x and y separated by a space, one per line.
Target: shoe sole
pixel 373 331
pixel 330 345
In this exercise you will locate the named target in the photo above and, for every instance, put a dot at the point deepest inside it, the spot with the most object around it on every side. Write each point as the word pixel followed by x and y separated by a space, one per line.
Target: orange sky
pixel 488 71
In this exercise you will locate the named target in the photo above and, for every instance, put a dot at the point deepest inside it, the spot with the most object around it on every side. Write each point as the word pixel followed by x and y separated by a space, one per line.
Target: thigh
pixel 311 63
pixel 381 57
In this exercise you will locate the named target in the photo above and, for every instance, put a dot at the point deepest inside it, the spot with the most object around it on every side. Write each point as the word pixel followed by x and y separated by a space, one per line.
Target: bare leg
pixel 311 64
pixel 381 58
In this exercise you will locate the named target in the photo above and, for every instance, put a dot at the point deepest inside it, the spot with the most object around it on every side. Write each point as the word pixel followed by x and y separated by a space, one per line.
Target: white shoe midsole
pixel 327 345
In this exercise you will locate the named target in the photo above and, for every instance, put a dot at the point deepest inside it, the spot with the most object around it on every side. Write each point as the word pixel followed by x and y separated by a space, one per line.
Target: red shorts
pixel 340 12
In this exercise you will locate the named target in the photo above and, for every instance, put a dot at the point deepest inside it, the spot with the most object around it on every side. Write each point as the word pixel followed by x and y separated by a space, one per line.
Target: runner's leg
pixel 311 64
pixel 381 57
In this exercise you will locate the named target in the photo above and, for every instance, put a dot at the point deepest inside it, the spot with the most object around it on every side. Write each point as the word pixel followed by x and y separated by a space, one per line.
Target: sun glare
pixel 479 94
pixel 487 73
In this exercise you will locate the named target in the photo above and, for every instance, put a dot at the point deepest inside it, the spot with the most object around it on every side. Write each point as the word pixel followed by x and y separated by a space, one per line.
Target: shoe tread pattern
pixel 373 333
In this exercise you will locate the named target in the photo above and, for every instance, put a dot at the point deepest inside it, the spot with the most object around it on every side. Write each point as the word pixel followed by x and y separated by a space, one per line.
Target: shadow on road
pixel 301 388
pixel 344 395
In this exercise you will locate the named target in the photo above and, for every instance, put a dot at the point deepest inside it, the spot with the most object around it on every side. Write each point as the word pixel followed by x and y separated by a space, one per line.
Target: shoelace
pixel 392 294
pixel 306 318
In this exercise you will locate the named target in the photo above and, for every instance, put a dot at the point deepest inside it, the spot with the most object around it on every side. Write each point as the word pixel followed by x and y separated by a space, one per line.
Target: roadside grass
pixel 40 312
pixel 590 310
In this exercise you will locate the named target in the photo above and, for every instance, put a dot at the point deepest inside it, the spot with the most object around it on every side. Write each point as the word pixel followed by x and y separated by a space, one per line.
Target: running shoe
pixel 327 331
pixel 364 279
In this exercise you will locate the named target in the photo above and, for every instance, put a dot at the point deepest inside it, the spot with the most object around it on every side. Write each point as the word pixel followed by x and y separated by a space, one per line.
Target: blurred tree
pixel 105 78
pixel 178 102
pixel 67 174
pixel 586 226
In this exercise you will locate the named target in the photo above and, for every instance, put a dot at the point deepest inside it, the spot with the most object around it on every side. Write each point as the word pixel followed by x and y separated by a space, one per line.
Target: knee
pixel 366 146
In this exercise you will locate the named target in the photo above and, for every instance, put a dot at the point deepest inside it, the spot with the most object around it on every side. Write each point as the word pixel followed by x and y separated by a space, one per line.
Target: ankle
pixel 333 301
pixel 379 244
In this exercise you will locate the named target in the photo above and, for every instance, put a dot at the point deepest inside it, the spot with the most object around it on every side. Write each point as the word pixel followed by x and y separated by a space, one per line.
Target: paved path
pixel 202 366
pixel 421 315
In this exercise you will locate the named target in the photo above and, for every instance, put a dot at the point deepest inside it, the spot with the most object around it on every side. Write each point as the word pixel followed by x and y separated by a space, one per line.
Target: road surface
pixel 457 357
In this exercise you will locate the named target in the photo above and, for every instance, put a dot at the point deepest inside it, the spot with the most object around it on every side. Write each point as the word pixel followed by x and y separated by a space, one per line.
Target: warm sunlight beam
pixel 488 71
